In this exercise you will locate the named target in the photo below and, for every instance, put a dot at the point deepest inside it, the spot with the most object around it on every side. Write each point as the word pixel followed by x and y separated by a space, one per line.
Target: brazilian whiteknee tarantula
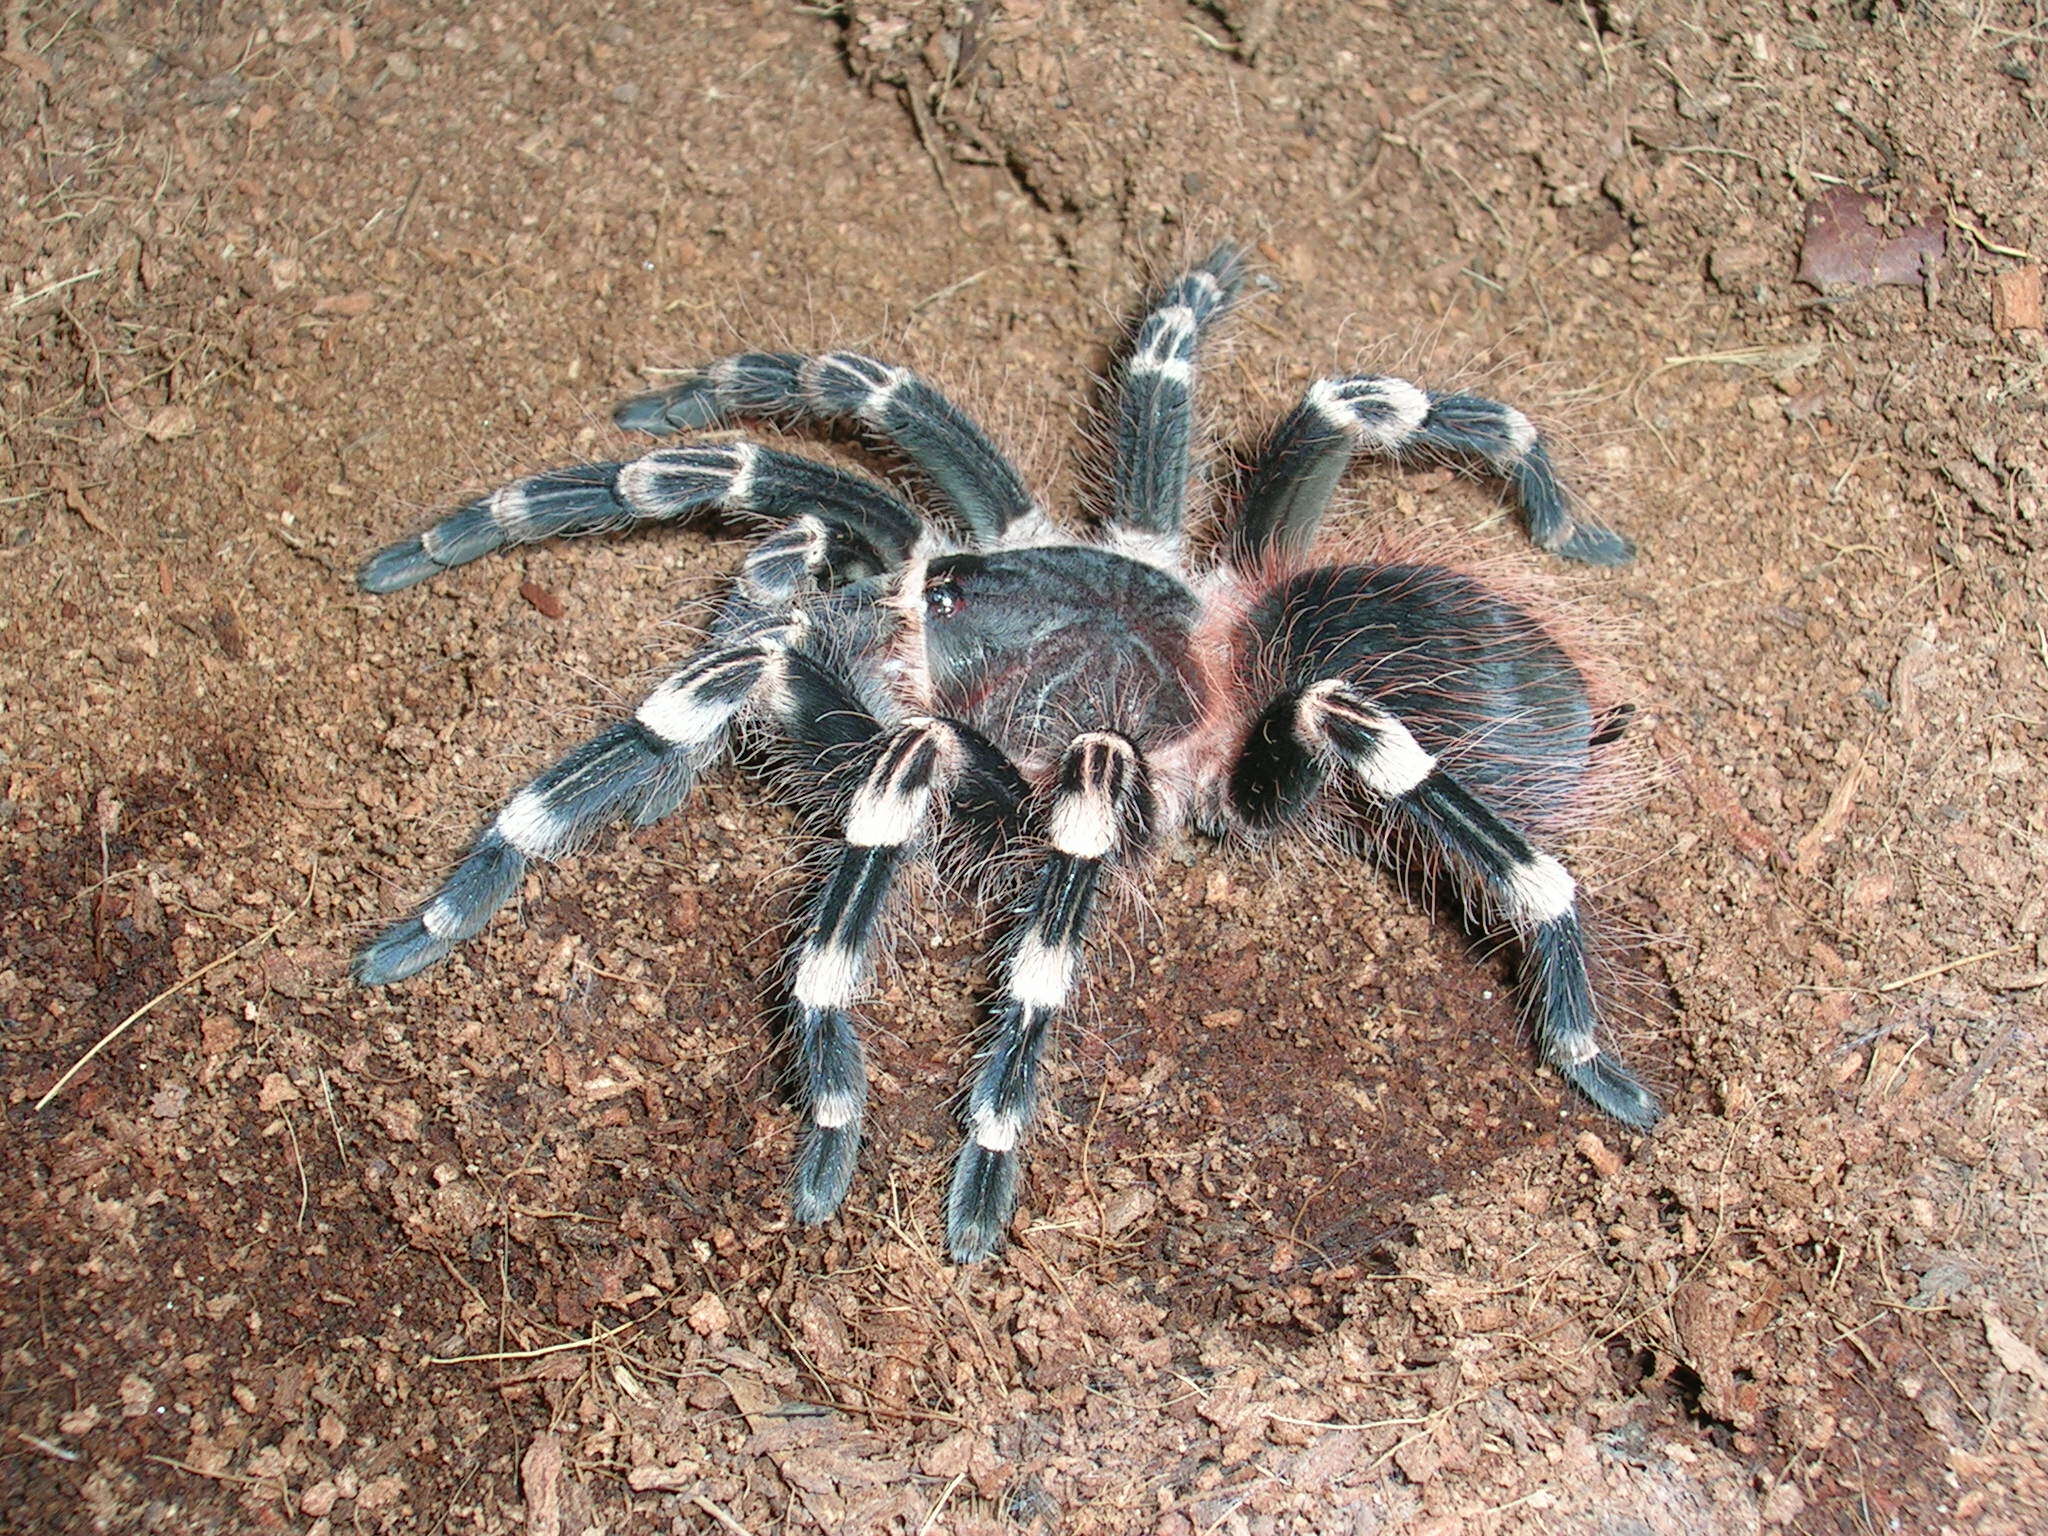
pixel 994 680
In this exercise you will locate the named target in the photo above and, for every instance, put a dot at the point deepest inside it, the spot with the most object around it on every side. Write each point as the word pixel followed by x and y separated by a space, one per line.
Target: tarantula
pixel 990 680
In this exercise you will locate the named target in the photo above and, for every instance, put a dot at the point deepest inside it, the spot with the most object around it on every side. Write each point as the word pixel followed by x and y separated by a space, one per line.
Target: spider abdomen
pixel 1479 681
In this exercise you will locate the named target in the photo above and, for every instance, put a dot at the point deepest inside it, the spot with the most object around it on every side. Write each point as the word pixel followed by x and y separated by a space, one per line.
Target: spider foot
pixel 824 1172
pixel 402 950
pixel 481 884
pixel 1591 544
pixel 669 411
pixel 1613 1089
pixel 396 567
pixel 750 384
pixel 978 1210
pixel 1554 520
pixel 457 539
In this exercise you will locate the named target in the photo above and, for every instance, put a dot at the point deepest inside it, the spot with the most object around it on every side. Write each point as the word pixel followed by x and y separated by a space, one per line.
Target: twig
pixel 327 1094
pixel 1697 149
pixel 1959 222
pixel 717 1512
pixel 1782 358
pixel 1947 966
pixel 546 1349
pixel 405 213
pixel 1599 43
pixel 166 995
pixel 461 1279
pixel 220 1477
pixel 1340 1424
pixel 1986 1060
pixel 946 292
pixel 47 1447
pixel 106 880
pixel 298 1158
pixel 1500 1509
pixel 23 300
pixel 939 1508
pixel 920 119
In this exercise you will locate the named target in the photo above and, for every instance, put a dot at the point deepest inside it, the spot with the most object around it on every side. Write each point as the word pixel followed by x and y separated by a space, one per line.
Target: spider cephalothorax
pixel 995 682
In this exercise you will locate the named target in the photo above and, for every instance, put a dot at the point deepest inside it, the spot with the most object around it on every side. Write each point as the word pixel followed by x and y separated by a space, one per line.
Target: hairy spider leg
pixel 639 769
pixel 1101 812
pixel 892 403
pixel 1306 733
pixel 1156 404
pixel 1290 483
pixel 921 761
pixel 1476 676
pixel 664 486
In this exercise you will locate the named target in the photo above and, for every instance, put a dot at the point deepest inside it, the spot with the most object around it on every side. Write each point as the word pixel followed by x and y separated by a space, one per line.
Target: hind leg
pixel 1332 728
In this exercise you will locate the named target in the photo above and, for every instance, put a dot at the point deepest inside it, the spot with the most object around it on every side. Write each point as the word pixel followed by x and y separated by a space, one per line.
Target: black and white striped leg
pixel 870 529
pixel 1291 481
pixel 894 403
pixel 639 770
pixel 1101 812
pixel 919 761
pixel 1331 725
pixel 1156 405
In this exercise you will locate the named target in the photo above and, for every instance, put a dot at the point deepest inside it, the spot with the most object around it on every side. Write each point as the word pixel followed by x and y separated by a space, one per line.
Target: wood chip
pixel 1717 795
pixel 2016 300
pixel 74 498
pixel 2014 1352
pixel 170 421
pixel 229 634
pixel 1847 244
pixel 345 305
pixel 32 65
pixel 541 598
pixel 1703 1317
pixel 1595 1151
pixel 540 1479
pixel 708 1315
pixel 1807 851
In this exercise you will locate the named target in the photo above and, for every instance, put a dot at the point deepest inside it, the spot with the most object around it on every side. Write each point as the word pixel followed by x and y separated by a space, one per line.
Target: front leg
pixel 921 765
pixel 666 486
pixel 894 404
pixel 640 769
pixel 1101 813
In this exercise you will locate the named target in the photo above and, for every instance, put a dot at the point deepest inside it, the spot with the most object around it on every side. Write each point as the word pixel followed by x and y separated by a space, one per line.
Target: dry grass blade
pixel 1949 965
pixel 1785 357
pixel 545 1349
pixel 170 992
pixel 718 1512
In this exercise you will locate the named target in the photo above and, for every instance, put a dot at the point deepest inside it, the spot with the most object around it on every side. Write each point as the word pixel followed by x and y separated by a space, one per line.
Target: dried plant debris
pixel 1851 244
pixel 2016 300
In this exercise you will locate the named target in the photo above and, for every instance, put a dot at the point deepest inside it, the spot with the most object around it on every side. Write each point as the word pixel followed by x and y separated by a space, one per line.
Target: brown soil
pixel 1310 1244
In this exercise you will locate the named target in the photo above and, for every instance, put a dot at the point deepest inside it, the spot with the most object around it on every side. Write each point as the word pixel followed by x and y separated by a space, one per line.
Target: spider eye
pixel 942 598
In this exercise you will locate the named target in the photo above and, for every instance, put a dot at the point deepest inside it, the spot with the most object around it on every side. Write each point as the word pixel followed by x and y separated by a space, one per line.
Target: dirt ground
pixel 1309 1242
